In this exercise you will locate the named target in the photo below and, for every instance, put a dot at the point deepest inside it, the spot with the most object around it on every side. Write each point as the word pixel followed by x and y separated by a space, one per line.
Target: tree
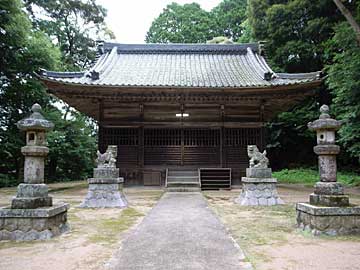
pixel 230 16
pixel 344 83
pixel 73 25
pixel 349 18
pixel 297 34
pixel 220 40
pixel 187 23
pixel 22 51
pixel 72 140
pixel 295 30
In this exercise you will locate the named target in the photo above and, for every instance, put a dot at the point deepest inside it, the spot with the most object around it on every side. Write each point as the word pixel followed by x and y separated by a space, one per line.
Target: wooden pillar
pixel 101 143
pixel 222 156
pixel 262 129
pixel 141 139
pixel 182 135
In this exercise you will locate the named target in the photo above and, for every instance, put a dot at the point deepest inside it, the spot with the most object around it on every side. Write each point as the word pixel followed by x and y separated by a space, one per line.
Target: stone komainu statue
pixel 108 159
pixel 257 159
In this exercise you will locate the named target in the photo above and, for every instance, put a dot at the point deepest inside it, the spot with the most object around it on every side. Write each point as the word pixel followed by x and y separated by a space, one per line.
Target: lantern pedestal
pixel 328 220
pixel 33 224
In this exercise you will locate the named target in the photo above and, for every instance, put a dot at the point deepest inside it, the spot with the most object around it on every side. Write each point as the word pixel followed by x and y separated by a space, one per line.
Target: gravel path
pixel 180 232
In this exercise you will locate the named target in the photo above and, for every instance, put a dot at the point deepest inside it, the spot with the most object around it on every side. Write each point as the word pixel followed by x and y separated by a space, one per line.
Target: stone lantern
pixel 34 193
pixel 329 211
pixel 328 191
pixel 32 214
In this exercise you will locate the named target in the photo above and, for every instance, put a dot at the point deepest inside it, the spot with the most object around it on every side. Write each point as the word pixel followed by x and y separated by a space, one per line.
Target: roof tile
pixel 181 65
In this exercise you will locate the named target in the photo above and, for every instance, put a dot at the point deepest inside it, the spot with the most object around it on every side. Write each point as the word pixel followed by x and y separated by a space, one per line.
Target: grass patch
pixel 72 187
pixel 254 227
pixel 310 177
pixel 109 229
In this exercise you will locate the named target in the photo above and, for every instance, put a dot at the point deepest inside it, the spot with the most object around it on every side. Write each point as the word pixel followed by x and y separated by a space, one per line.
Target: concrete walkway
pixel 180 232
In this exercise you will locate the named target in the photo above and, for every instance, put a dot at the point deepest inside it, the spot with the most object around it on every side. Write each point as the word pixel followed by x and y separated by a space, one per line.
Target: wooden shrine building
pixel 180 105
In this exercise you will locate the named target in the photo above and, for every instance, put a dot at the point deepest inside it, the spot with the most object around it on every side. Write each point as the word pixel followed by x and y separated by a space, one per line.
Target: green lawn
pixel 310 177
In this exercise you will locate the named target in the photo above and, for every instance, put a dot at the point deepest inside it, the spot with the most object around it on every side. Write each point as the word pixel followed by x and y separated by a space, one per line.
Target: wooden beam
pixel 185 124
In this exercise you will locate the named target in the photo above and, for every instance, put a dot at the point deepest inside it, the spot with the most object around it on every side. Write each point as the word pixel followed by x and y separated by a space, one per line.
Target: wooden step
pixel 215 178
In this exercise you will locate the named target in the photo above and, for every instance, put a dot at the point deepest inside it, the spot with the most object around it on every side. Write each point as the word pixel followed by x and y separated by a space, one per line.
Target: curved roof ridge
pixel 256 66
pixel 265 64
pixel 61 74
pixel 180 47
pixel 100 61
pixel 107 62
pixel 300 76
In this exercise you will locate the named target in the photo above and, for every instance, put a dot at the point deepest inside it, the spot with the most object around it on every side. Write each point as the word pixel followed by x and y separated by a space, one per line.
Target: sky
pixel 131 19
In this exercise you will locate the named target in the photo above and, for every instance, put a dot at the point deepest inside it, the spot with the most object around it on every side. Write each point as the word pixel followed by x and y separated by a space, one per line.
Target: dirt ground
pixel 270 239
pixel 267 235
pixel 94 236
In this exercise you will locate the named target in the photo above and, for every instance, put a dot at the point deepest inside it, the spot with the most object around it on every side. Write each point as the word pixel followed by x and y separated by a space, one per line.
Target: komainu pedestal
pixel 105 188
pixel 259 188
pixel 32 214
pixel 329 211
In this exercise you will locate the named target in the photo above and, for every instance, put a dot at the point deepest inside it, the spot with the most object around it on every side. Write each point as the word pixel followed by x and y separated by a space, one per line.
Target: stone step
pixel 183 189
pixel 183 179
pixel 183 184
pixel 182 173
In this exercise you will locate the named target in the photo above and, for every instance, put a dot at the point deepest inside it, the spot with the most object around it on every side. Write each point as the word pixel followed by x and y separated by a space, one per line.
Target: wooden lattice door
pixel 201 147
pixel 162 146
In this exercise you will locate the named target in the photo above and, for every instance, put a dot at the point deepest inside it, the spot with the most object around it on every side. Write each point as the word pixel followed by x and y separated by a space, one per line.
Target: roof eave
pixel 295 85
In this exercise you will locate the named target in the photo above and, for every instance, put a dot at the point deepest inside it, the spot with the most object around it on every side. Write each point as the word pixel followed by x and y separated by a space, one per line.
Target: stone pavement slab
pixel 180 232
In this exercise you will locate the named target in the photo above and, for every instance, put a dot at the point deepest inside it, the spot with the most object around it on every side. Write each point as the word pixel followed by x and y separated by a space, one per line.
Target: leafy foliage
pixel 24 49
pixel 22 52
pixel 344 82
pixel 296 31
pixel 230 16
pixel 72 24
pixel 189 23
pixel 72 147
pixel 289 131
pixel 297 34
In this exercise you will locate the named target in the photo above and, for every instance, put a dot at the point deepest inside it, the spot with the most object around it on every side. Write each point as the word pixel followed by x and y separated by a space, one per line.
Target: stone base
pixel 31 196
pixel 328 220
pixel 329 188
pixel 31 203
pixel 33 224
pixel 258 172
pixel 259 191
pixel 105 192
pixel 106 172
pixel 329 200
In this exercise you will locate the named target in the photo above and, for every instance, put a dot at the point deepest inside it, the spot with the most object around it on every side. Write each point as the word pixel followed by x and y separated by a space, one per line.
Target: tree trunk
pixel 349 18
pixel 52 169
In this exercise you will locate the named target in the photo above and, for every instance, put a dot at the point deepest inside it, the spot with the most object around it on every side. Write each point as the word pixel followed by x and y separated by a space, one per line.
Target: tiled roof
pixel 180 65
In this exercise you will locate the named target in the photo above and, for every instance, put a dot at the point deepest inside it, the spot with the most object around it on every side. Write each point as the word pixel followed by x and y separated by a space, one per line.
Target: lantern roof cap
pixel 35 121
pixel 325 122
